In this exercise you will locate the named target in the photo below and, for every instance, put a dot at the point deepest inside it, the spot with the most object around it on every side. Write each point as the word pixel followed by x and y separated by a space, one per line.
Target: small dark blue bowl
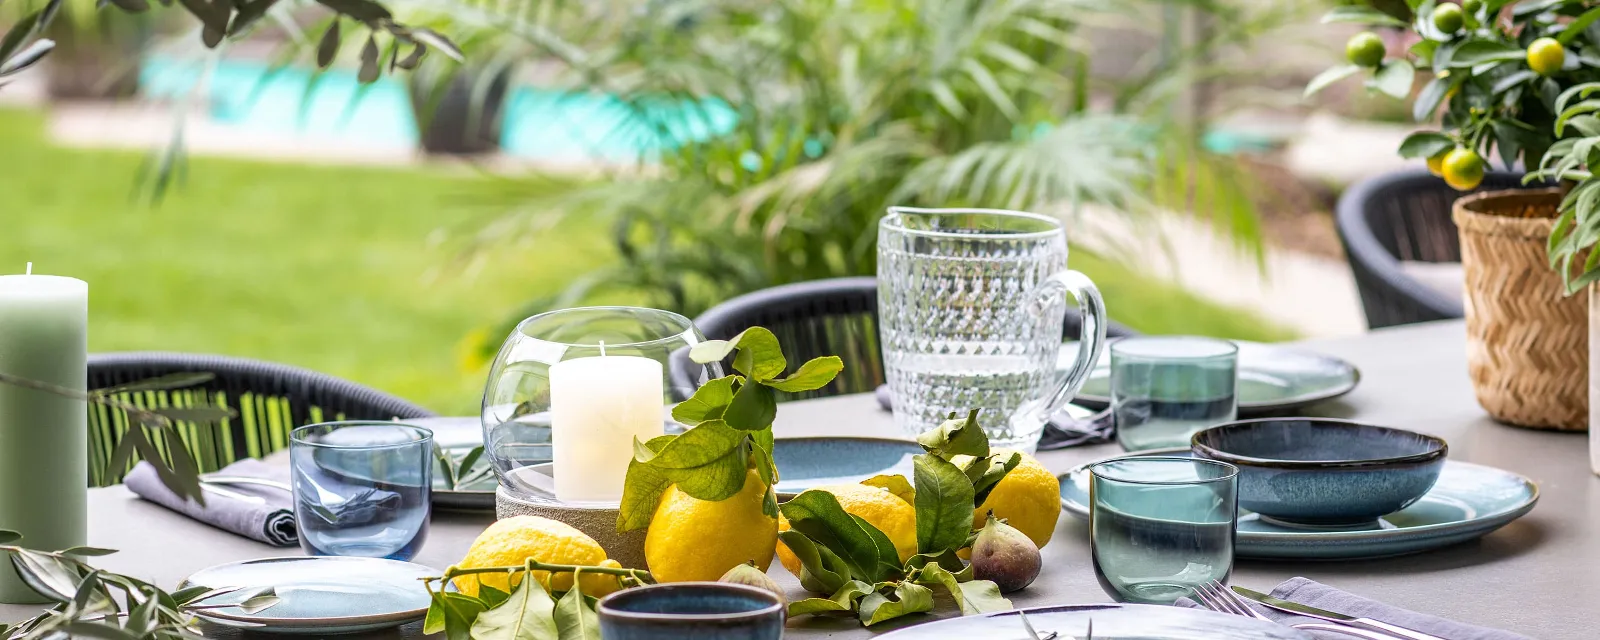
pixel 1319 472
pixel 692 611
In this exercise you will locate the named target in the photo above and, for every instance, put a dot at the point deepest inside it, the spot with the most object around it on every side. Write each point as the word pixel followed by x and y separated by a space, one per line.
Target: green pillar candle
pixel 44 462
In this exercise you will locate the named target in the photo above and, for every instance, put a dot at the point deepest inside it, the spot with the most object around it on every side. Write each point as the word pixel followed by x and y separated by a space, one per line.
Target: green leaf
pixel 364 10
pixel 1394 79
pixel 865 550
pixel 998 465
pixel 8 536
pixel 759 357
pixel 944 504
pixel 460 613
pixel 491 596
pixel 249 13
pixel 754 407
pixel 1507 83
pixel 641 493
pixel 160 383
pixel 434 40
pixel 369 61
pixel 956 437
pixel 98 630
pixel 948 559
pixel 843 600
pixel 328 47
pixel 574 619
pixel 907 598
pixel 527 615
pixel 1576 27
pixel 895 484
pixel 413 59
pixel 19 33
pixel 50 577
pixel 1425 144
pixel 821 571
pixel 973 596
pixel 27 57
pixel 434 622
pixel 717 480
pixel 200 414
pixel 1361 15
pixel 707 403
pixel 698 446
pixel 1329 77
pixel 87 551
pixel 1476 52
pixel 259 603
pixel 816 373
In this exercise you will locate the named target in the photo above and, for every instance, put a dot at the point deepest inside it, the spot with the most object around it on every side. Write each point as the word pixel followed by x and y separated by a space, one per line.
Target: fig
pixel 749 574
pixel 1005 556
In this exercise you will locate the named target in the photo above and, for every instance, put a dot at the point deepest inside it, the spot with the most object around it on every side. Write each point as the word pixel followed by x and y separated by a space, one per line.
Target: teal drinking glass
pixel 362 488
pixel 1165 389
pixel 1159 527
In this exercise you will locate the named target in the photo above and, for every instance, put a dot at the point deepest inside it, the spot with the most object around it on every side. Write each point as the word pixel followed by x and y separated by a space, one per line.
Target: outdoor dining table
pixel 1539 576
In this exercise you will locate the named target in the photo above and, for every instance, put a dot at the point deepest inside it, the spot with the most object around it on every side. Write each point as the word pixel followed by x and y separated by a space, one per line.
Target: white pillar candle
pixel 44 463
pixel 598 405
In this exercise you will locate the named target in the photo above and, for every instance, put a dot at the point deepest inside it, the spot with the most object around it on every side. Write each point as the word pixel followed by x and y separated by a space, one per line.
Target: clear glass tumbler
pixel 970 317
pixel 1159 527
pixel 362 488
pixel 1164 389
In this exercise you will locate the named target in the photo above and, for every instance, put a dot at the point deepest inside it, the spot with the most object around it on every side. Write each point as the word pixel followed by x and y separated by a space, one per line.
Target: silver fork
pixel 1216 597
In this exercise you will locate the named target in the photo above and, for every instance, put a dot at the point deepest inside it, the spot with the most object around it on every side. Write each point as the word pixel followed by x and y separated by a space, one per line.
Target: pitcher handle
pixel 1092 339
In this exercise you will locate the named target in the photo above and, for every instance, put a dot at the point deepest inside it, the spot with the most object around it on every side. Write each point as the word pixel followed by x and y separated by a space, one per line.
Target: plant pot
pixel 448 121
pixel 1527 342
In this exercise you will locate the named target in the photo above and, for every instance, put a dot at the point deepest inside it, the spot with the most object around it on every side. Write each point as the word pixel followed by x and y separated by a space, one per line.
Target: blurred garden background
pixel 670 153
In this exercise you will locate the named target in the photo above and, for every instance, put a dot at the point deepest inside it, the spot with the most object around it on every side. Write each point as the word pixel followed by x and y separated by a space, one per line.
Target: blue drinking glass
pixel 1159 527
pixel 362 488
pixel 1165 389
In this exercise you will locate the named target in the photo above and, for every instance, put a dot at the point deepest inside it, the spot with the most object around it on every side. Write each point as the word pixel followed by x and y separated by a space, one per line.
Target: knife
pixel 1332 616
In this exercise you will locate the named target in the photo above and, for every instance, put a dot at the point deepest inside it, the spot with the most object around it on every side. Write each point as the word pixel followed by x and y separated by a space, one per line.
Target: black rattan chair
pixel 1403 216
pixel 826 317
pixel 271 399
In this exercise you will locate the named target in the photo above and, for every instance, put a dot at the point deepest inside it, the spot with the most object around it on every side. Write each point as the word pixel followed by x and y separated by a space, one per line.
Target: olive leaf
pixel 167 382
pixel 895 484
pixel 865 549
pixel 902 598
pixel 843 600
pixel 527 615
pixel 956 436
pixel 328 47
pixel 944 504
pixel 816 373
pixel 369 70
pixel 707 403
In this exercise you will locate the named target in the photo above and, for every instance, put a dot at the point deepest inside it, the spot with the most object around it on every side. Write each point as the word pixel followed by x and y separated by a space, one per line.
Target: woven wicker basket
pixel 1527 343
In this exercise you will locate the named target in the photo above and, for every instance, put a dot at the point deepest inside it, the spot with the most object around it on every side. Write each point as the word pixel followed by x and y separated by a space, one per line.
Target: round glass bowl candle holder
pixel 567 396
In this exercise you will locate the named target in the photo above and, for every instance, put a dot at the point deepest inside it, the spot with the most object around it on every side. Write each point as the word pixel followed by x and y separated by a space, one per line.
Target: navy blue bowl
pixel 1324 472
pixel 692 611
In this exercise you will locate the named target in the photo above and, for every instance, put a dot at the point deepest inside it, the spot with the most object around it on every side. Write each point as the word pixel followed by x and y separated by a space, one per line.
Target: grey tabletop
pixel 1537 576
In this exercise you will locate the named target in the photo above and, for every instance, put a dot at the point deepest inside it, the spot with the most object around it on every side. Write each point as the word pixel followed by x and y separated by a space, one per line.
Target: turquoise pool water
pixel 539 123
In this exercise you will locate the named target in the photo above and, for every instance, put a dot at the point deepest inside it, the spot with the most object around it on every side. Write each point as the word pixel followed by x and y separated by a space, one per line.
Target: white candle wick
pixel 602 342
pixel 29 272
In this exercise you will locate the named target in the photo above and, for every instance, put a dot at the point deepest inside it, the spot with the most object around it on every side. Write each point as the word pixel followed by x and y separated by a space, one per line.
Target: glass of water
pixel 1164 389
pixel 362 488
pixel 1159 527
pixel 970 313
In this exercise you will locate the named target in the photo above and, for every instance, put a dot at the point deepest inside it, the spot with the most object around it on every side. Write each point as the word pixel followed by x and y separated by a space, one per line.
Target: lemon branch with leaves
pixel 730 420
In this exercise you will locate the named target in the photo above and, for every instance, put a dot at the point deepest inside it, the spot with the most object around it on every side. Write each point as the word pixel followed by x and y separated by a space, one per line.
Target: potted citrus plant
pixel 1497 76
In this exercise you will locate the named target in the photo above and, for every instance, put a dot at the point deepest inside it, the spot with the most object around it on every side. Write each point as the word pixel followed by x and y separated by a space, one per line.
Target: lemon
pixel 1546 55
pixel 1462 169
pixel 892 515
pixel 512 541
pixel 1448 18
pixel 1436 163
pixel 1365 49
pixel 1028 498
pixel 694 539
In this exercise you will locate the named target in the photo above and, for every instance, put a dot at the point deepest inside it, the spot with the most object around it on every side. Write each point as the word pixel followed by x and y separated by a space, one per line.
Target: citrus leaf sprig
pixel 730 420
pixel 855 565
pixel 527 612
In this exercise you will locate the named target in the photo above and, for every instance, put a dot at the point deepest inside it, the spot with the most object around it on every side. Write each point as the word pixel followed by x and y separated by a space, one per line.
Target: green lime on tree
pixel 1545 56
pixel 1462 169
pixel 1366 49
pixel 1447 18
pixel 1471 6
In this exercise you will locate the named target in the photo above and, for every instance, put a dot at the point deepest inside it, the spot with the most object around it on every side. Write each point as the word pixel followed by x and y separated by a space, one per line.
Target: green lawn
pixel 329 267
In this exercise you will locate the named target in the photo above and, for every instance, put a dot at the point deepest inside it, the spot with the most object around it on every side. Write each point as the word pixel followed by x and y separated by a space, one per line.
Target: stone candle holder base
pixel 599 523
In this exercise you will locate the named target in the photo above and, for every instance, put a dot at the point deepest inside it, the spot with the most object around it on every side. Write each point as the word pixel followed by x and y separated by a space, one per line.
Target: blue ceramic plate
pixel 321 595
pixel 1271 379
pixel 807 463
pixel 1467 502
pixel 1111 622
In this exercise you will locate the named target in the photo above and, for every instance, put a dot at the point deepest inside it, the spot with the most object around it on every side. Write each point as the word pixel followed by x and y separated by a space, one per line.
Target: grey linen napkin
pixel 1063 430
pixel 270 521
pixel 1321 596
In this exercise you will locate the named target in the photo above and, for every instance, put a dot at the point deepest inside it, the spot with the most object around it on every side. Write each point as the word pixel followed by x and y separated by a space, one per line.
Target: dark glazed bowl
pixel 692 611
pixel 1319 472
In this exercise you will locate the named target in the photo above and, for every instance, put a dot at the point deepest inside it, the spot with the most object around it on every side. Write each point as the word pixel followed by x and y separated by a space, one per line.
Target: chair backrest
pixel 1403 216
pixel 271 400
pixel 837 316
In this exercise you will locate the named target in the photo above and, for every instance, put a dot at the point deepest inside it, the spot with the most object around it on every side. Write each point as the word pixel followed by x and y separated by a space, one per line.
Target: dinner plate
pixel 320 594
pixel 1111 622
pixel 1272 379
pixel 1467 502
